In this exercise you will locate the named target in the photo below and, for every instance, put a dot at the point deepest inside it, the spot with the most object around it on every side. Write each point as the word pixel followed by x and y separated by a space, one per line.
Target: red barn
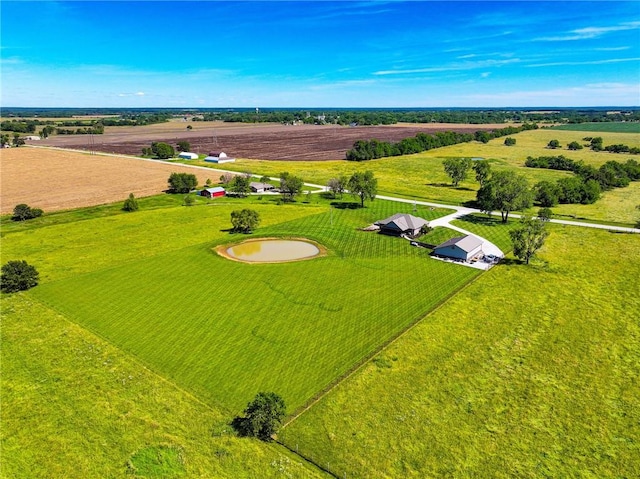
pixel 213 192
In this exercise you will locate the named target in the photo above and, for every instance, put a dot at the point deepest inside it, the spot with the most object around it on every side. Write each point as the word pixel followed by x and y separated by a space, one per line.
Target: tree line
pixel 364 150
pixel 587 184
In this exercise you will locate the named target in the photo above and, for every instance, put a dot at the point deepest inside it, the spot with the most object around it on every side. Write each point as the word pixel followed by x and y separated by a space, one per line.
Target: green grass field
pixel 609 127
pixel 75 406
pixel 528 372
pixel 150 284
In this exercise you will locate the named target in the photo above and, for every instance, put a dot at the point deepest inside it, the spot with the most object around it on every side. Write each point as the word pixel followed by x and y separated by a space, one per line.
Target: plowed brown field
pixel 56 180
pixel 263 141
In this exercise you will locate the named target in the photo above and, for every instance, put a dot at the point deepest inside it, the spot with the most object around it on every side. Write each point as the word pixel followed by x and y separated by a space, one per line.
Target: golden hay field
pixel 57 180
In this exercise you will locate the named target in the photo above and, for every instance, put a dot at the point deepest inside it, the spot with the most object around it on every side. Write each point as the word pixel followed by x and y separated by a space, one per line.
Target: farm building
pixel 260 187
pixel 31 138
pixel 400 224
pixel 219 157
pixel 461 247
pixel 187 155
pixel 214 192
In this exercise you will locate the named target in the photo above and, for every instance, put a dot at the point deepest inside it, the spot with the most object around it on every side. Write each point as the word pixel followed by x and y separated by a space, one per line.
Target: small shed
pixel 185 155
pixel 257 187
pixel 462 248
pixel 214 192
pixel 400 224
pixel 219 157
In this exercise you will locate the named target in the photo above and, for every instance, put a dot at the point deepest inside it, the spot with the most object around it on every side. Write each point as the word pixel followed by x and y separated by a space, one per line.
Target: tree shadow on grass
pixel 449 185
pixel 482 220
pixel 351 205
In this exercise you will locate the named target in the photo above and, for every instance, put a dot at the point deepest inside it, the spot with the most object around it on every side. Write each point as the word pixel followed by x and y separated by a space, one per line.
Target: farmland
pixel 532 380
pixel 56 180
pixel 263 141
pixel 606 127
pixel 524 369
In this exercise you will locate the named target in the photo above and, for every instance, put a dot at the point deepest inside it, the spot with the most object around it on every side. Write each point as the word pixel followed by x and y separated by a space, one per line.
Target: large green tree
pixel 457 169
pixel 240 185
pixel 290 185
pixel 245 220
pixel 263 416
pixel 483 170
pixel 528 237
pixel 162 150
pixel 24 212
pixel 505 191
pixel 182 182
pixel 337 186
pixel 363 185
pixel 18 276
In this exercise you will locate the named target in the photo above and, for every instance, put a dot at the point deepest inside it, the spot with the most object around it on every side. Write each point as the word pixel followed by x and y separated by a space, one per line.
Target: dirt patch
pixel 56 180
pixel 264 141
pixel 222 250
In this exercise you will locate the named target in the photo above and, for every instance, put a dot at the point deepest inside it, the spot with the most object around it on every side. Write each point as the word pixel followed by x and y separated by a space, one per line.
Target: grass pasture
pixel 150 284
pixel 76 407
pixel 608 127
pixel 530 372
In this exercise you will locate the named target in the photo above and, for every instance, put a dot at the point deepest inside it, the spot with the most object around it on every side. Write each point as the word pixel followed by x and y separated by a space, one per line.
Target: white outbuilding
pixel 185 155
pixel 219 157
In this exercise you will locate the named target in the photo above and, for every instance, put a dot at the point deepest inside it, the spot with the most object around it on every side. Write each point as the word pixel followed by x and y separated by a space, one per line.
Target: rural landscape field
pixel 319 240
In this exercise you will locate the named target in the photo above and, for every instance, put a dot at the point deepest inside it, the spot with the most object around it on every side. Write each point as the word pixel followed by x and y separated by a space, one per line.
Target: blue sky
pixel 320 54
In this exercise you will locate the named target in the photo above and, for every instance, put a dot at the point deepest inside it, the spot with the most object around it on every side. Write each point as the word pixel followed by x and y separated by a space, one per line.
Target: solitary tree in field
pixel 182 182
pixel 574 145
pixel 528 238
pixel 18 276
pixel 245 220
pixel 553 144
pixel 263 416
pixel 363 185
pixel 457 169
pixel 130 204
pixel 508 141
pixel 505 191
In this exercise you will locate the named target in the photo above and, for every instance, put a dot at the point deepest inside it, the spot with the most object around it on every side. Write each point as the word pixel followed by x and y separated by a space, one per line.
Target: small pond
pixel 273 250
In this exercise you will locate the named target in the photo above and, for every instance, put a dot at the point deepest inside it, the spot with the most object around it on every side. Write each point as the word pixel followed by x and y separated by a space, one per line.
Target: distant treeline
pixel 371 149
pixel 588 183
pixel 390 117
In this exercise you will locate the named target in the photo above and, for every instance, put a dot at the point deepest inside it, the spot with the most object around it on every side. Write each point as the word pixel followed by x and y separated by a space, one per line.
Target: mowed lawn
pixel 530 372
pixel 150 284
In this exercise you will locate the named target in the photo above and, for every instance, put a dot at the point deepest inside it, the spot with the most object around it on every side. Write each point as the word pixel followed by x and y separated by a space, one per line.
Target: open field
pixel 150 283
pixel 261 141
pixel 57 180
pixel 74 406
pixel 528 372
pixel 610 127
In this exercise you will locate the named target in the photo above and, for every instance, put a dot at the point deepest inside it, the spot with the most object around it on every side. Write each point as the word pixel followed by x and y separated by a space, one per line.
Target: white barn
pixel 219 157
pixel 462 247
pixel 185 155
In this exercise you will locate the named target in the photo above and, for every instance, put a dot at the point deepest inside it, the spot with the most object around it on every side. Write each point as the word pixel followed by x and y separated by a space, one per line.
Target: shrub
pixel 24 212
pixel 130 204
pixel 18 276
pixel 189 200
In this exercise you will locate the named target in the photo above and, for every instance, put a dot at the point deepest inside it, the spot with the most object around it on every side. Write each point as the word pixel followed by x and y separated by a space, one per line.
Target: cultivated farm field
pixel 57 180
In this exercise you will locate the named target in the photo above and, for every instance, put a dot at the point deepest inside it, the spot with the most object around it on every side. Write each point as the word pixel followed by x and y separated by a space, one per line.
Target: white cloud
pixel 590 32
pixel 452 67
pixel 589 62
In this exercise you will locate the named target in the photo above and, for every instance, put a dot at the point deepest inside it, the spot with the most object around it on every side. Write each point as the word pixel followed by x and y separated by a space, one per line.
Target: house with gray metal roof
pixel 461 247
pixel 402 223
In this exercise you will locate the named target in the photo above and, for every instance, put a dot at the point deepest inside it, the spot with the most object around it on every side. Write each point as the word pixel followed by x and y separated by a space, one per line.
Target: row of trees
pixel 596 144
pixel 371 149
pixel 588 184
